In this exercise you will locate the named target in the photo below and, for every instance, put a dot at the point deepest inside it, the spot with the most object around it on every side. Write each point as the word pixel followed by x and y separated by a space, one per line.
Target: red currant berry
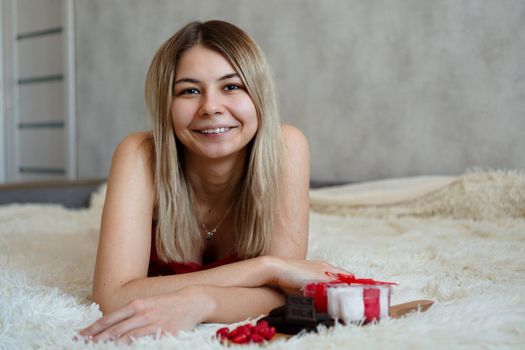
pixel 240 338
pixel 262 324
pixel 223 332
pixel 267 333
pixel 234 333
pixel 257 338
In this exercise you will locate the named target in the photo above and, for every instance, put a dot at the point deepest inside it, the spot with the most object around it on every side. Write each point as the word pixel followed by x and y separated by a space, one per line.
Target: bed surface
pixel 459 241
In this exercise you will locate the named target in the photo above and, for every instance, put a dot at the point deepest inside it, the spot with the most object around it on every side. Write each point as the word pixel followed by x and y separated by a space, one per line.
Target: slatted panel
pixel 41 93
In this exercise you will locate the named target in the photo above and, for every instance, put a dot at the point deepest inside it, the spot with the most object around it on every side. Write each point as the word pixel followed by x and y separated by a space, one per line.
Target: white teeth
pixel 215 131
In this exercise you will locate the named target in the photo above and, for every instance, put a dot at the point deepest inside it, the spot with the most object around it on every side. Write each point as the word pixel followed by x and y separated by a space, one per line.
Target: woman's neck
pixel 214 181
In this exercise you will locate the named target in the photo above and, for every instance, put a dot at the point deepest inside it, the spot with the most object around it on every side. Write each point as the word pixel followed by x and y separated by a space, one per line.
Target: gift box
pixel 351 299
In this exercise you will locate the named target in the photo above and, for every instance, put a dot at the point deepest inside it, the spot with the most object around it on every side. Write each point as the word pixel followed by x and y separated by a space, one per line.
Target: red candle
pixel 317 291
pixel 372 303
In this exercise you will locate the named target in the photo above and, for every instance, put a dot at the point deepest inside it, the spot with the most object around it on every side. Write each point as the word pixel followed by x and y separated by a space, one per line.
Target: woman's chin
pixel 219 154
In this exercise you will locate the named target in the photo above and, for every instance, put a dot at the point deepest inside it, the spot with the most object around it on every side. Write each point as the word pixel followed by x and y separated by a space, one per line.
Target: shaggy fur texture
pixel 462 245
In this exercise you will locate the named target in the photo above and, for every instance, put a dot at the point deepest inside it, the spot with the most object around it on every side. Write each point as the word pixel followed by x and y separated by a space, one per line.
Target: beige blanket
pixel 476 195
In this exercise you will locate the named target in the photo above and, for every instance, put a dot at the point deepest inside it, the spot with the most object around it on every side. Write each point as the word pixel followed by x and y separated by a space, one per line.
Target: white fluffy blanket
pixel 458 241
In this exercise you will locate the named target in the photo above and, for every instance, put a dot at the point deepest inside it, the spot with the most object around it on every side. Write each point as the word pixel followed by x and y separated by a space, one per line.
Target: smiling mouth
pixel 215 131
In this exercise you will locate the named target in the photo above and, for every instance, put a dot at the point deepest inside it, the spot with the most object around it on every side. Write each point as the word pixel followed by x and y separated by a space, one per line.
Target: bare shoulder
pixel 292 134
pixel 132 165
pixel 297 155
pixel 295 142
pixel 138 145
pixel 130 182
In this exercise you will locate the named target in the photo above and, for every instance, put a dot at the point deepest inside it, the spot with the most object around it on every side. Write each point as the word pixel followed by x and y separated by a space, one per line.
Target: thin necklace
pixel 210 234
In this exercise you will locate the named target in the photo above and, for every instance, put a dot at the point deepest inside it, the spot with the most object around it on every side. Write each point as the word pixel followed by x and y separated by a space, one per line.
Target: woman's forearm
pixel 286 274
pixel 234 304
pixel 254 272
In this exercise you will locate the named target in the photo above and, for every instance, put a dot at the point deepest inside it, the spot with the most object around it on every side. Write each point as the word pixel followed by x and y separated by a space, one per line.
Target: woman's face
pixel 213 115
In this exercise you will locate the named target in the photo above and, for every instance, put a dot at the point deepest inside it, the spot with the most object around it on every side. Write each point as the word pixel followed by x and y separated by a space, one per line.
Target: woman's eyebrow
pixel 195 81
pixel 229 76
pixel 186 80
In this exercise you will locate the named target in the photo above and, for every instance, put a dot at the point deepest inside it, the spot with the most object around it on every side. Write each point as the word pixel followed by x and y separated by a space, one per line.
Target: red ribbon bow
pixel 351 279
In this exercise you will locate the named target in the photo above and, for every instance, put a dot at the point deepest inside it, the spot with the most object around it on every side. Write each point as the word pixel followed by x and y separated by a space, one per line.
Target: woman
pixel 206 217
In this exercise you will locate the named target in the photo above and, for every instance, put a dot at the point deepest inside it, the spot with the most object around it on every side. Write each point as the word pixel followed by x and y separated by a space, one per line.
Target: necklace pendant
pixel 210 235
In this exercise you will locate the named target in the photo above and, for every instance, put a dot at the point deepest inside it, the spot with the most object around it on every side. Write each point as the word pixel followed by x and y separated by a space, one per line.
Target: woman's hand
pixel 173 312
pixel 292 274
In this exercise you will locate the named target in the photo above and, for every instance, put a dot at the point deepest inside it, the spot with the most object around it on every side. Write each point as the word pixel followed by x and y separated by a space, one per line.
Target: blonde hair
pixel 178 234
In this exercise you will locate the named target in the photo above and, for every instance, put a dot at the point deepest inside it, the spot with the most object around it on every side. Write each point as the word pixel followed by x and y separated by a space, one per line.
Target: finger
pixel 140 332
pixel 331 269
pixel 107 321
pixel 123 327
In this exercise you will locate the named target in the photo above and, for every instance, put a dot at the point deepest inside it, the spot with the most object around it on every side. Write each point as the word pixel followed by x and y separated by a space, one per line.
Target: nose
pixel 211 104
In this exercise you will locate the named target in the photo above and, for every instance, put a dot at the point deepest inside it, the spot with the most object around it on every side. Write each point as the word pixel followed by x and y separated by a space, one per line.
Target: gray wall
pixel 380 88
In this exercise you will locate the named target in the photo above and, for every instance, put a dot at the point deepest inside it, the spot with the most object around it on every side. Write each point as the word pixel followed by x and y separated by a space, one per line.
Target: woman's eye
pixel 189 91
pixel 231 87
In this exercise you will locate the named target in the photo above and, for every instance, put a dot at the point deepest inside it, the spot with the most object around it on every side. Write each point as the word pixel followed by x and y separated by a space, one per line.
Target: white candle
pixel 333 302
pixel 384 297
pixel 351 305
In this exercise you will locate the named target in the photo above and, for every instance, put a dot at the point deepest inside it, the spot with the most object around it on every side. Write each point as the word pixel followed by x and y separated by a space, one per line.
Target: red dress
pixel 159 268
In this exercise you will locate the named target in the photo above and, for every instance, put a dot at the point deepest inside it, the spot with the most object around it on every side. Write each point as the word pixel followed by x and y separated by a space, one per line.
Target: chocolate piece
pixel 300 310
pixel 299 301
pixel 298 314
